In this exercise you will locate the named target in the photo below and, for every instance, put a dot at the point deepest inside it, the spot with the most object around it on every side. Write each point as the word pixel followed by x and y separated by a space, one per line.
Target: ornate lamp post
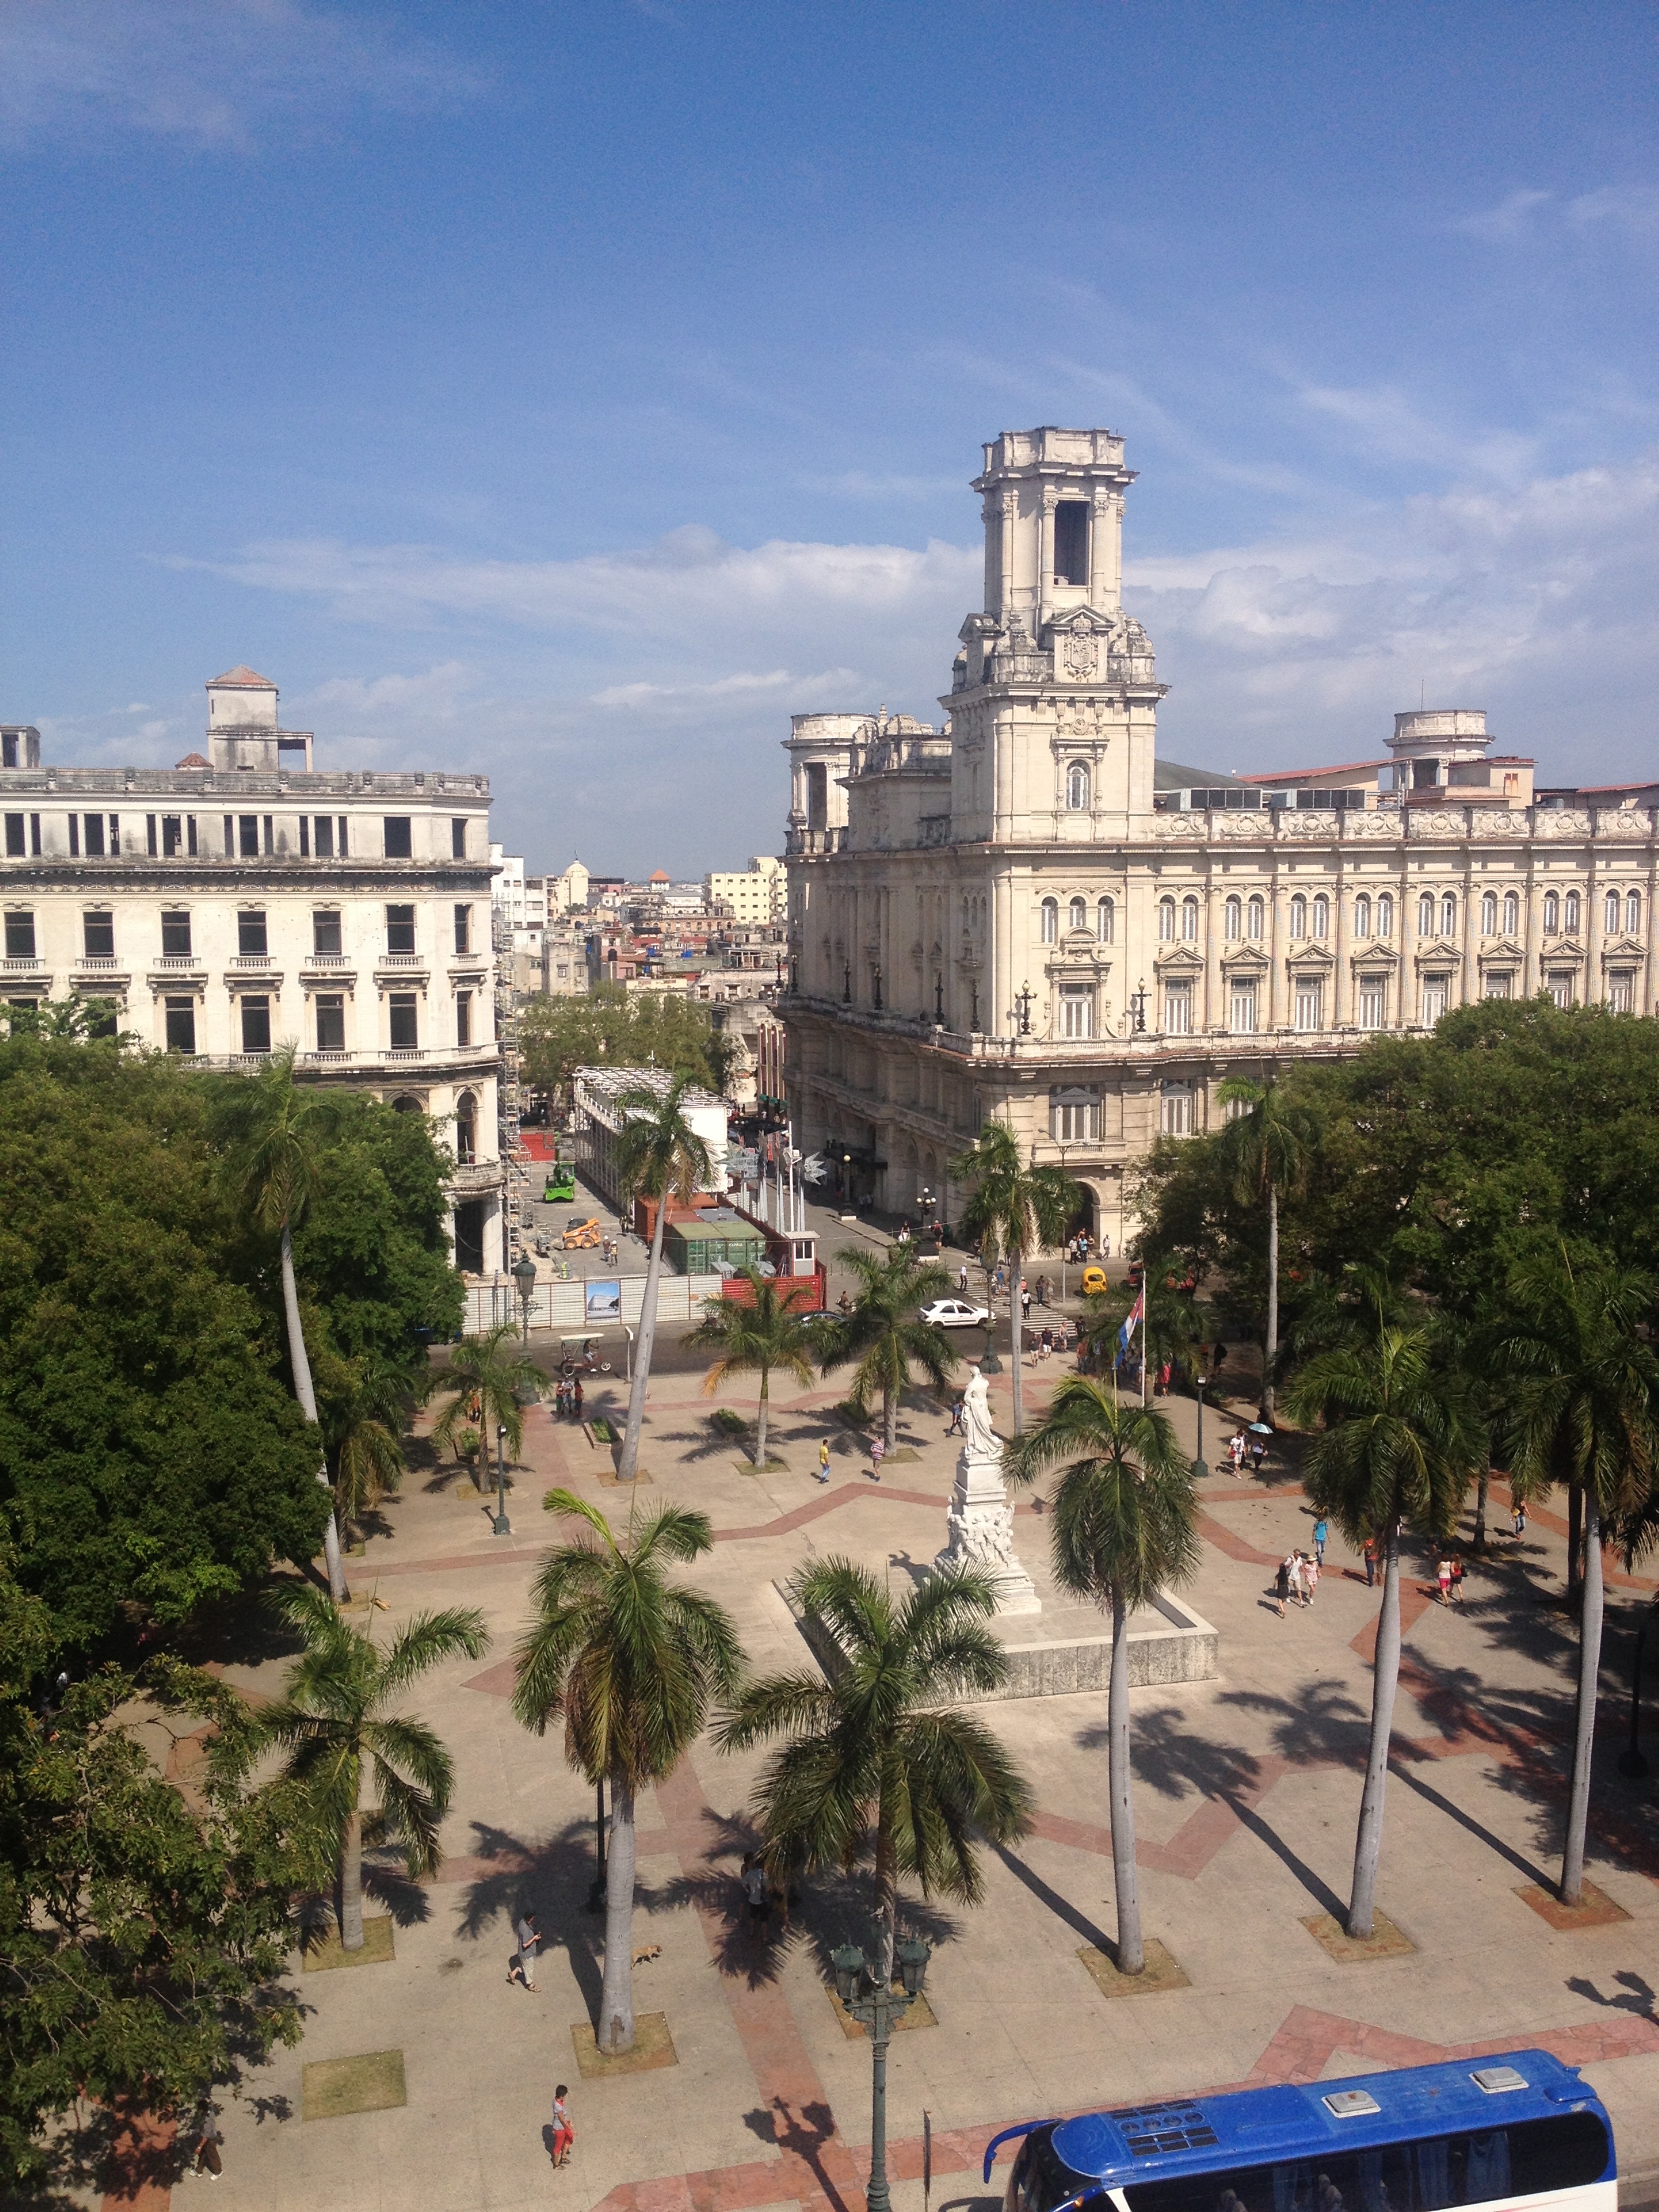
pixel 502 1526
pixel 878 2005
pixel 1138 1009
pixel 1199 1465
pixel 524 1274
pixel 1020 1011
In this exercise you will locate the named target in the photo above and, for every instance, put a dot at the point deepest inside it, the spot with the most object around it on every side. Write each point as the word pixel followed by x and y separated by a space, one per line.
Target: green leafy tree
pixel 630 1662
pixel 481 1379
pixel 334 1734
pixel 1583 1408
pixel 1169 1329
pixel 760 1334
pixel 884 1337
pixel 610 1026
pixel 869 1755
pixel 1013 1211
pixel 1122 1532
pixel 1402 1438
pixel 363 1427
pixel 1269 1146
pixel 658 1155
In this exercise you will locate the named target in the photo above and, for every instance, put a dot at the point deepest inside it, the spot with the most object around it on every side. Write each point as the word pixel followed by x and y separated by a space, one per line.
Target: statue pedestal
pixel 979 1526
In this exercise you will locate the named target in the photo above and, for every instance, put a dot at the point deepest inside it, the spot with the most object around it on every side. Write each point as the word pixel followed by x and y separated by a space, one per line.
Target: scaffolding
pixel 509 1093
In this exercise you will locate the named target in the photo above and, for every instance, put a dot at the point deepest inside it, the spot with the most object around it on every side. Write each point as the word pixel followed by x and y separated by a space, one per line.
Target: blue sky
pixel 576 390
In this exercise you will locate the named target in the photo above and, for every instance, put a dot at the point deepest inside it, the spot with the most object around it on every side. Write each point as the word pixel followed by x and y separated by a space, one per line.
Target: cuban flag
pixel 1132 1321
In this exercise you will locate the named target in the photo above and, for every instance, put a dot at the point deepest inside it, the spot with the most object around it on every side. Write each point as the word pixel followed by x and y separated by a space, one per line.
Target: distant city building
pixel 245 900
pixel 759 893
pixel 568 892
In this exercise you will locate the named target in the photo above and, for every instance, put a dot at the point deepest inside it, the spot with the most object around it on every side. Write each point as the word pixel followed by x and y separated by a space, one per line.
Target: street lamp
pixel 524 1274
pixel 1198 1466
pixel 878 2006
pixel 1020 1011
pixel 503 1527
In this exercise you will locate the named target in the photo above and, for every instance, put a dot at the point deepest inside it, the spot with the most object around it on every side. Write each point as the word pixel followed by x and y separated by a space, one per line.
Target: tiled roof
pixel 241 678
pixel 1301 774
pixel 193 760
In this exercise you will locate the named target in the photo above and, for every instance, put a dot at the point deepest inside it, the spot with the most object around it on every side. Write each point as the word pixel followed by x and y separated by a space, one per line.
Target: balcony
pixel 404 1052
pixel 176 963
pixel 326 1058
pixel 325 960
pixel 400 960
pixel 98 964
pixel 29 963
pixel 250 960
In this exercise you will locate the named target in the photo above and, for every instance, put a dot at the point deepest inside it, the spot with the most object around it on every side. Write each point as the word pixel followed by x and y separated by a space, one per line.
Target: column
pixel 1341 982
pixel 1100 550
pixel 1279 983
pixel 1215 1010
pixel 1469 919
pixel 1046 554
pixel 1594 935
pixel 1650 984
pixel 1010 519
pixel 1410 1011
pixel 1532 924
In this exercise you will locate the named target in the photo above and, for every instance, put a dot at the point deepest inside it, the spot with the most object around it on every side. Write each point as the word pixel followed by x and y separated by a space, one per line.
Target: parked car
pixel 956 1312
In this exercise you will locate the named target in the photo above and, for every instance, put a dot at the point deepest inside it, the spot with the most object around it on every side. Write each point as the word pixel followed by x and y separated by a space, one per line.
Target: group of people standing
pixel 567 1398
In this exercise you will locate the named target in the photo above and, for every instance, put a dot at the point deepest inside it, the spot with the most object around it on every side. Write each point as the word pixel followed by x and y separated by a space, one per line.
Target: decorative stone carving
pixel 980 1521
pixel 1080 656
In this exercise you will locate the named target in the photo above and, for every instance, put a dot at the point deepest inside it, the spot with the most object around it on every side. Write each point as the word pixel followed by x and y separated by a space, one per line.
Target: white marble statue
pixel 980 1521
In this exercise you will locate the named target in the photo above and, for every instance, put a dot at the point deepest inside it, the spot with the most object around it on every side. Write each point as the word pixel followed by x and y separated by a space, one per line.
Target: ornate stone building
pixel 1027 915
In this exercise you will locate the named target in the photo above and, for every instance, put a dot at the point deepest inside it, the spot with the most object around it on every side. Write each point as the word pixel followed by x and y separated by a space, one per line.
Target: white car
pixel 955 1313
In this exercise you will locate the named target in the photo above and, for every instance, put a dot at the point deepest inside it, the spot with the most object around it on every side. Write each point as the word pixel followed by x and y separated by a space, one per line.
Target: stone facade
pixel 1026 915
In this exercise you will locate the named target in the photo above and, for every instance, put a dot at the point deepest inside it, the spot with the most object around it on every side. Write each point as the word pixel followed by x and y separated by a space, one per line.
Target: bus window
pixel 1040 2182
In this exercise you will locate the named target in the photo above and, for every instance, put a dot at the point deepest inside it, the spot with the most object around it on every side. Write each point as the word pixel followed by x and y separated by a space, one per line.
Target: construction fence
pixel 589 1305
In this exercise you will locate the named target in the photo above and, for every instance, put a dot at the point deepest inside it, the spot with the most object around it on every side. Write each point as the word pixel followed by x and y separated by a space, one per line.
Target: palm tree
pixel 1403 1439
pixel 1583 1409
pixel 868 1751
pixel 364 1437
pixel 1170 1325
pixel 1122 1532
pixel 658 1154
pixel 331 1724
pixel 1268 1147
pixel 630 1662
pixel 1012 1210
pixel 754 1335
pixel 884 1335
pixel 276 1166
pixel 482 1379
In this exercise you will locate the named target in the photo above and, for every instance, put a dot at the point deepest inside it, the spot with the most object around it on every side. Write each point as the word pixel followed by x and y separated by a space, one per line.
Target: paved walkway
pixel 1247 1791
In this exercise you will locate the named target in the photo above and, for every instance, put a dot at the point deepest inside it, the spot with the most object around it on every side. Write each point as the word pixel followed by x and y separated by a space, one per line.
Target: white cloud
pixel 723 687
pixel 223 73
pixel 437 690
pixel 1523 213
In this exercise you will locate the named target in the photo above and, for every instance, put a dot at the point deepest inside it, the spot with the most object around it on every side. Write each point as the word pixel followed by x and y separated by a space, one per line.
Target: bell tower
pixel 1054 701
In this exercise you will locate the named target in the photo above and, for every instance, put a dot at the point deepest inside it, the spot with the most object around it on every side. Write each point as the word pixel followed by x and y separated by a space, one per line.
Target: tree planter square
pixel 1384 1941
pixel 1160 1972
pixel 326 1953
pixel 329 2088
pixel 1594 1910
pixel 653 2046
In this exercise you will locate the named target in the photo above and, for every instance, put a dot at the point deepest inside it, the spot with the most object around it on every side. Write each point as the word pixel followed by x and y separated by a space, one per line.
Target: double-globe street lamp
pixel 502 1526
pixel 879 2006
pixel 524 1274
pixel 1198 1466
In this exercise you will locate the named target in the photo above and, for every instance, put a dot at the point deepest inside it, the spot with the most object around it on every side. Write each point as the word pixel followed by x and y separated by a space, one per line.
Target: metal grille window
pixel 1500 984
pixel 1105 919
pixel 251 940
pixel 1385 915
pixel 1511 914
pixel 1633 912
pixel 1560 986
pixel 326 931
pixel 1073 1116
pixel 1362 916
pixel 1050 920
pixel 1077 1011
pixel 1574 914
pixel 98 936
pixel 1257 917
pixel 1166 920
pixel 1552 913
pixel 1233 919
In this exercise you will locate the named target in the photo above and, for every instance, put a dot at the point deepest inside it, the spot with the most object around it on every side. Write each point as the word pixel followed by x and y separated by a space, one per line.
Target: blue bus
pixel 1520 2127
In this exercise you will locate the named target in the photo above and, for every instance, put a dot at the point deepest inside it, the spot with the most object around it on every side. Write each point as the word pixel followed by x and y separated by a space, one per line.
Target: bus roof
pixel 1257 2126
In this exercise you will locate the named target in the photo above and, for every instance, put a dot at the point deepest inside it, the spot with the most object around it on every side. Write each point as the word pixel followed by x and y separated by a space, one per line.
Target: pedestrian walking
pixel 961 1279
pixel 1299 1578
pixel 1321 1533
pixel 563 2134
pixel 1518 1516
pixel 877 1453
pixel 209 2158
pixel 1046 1342
pixel 1043 1290
pixel 957 1411
pixel 756 1890
pixel 1442 1575
pixel 1025 1300
pixel 523 1966
pixel 1457 1579
pixel 824 1460
pixel 576 1398
pixel 1282 1586
pixel 1370 1556
pixel 1258 1452
pixel 1310 1571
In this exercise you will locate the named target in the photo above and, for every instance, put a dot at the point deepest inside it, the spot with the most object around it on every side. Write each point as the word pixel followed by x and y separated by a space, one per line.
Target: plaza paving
pixel 1247 1792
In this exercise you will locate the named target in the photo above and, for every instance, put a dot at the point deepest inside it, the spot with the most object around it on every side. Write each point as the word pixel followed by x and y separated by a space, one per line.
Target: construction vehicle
pixel 580 1234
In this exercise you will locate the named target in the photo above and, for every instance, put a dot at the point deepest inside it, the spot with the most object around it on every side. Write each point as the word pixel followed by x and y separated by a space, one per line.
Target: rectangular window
pixel 341 849
pixel 324 931
pixel 269 830
pixel 34 834
pixel 1178 1009
pixel 190 834
pixel 256 1025
pixel 400 837
pixel 20 937
pixel 181 1025
pixel 251 939
pixel 1073 1116
pixel 1176 1110
pixel 404 1031
pixel 1560 986
pixel 305 836
pixel 1621 990
pixel 98 936
pixel 1071 542
pixel 331 1023
pixel 94 836
pixel 400 929
pixel 1309 1005
pixel 115 837
pixel 463 1016
pixel 324 830
pixel 247 837
pixel 16 849
pixel 75 836
pixel 1501 985
pixel 172 836
pixel 175 933
pixel 458 838
pixel 1373 1001
pixel 464 929
pixel 1243 1009
pixel 230 836
pixel 149 834
pixel 1077 1011
pixel 1436 991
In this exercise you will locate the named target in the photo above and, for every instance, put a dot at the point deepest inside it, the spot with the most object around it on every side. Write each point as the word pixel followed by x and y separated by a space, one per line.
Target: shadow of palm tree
pixel 1172 1759
pixel 1323 1721
pixel 551 1879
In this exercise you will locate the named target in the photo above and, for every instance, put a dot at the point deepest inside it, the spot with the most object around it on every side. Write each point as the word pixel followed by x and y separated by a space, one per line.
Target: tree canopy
pixel 650 1029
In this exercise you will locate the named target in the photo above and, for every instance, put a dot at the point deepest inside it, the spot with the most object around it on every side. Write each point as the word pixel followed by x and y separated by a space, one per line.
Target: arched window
pixel 1077 788
pixel 1633 913
pixel 466 1129
pixel 1189 920
pixel 1489 913
pixel 1552 912
pixel 1610 911
pixel 1425 914
pixel 1233 922
pixel 1385 915
pixel 1321 917
pixel 1166 920
pixel 1078 914
pixel 1050 920
pixel 1105 920
pixel 1362 916
pixel 1257 918
pixel 1299 916
pixel 1574 914
pixel 1511 914
pixel 1449 916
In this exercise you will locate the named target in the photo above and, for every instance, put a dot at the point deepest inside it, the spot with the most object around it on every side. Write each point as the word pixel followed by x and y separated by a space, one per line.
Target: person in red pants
pixel 563 2134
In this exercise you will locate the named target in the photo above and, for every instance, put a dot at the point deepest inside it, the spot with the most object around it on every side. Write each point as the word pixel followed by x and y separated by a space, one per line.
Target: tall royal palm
pixel 761 1334
pixel 1012 1210
pixel 869 1754
pixel 335 1732
pixel 631 1662
pixel 1582 1393
pixel 482 1379
pixel 884 1336
pixel 1401 1439
pixel 658 1155
pixel 1122 1532
pixel 1268 1147
pixel 278 1130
